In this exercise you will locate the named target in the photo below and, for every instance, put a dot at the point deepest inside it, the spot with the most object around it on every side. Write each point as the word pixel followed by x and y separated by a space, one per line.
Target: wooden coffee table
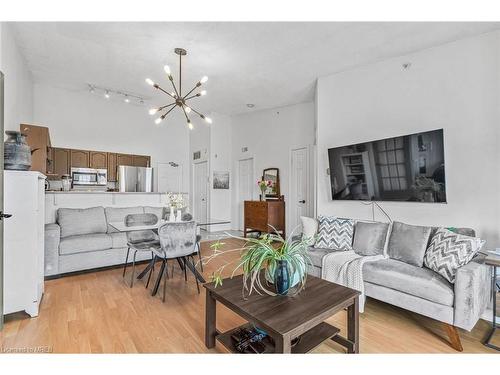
pixel 285 318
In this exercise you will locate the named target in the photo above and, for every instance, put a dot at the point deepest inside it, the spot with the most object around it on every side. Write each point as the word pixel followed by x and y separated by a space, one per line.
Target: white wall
pixel 18 81
pixel 221 160
pixel 78 119
pixel 455 87
pixel 270 135
pixel 214 143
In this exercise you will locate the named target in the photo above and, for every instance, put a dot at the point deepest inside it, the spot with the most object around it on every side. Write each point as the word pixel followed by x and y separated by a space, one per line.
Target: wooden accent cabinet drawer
pixel 262 216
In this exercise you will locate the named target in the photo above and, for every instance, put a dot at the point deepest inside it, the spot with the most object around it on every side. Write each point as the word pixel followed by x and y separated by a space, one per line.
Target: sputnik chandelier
pixel 180 100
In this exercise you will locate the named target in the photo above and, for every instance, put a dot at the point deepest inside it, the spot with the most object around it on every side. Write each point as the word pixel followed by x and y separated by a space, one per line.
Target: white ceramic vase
pixel 179 215
pixel 172 214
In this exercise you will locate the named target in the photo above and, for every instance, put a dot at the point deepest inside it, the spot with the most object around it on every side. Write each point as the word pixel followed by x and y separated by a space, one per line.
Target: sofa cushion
pixel 334 233
pixel 408 243
pixel 316 255
pixel 369 238
pixel 160 212
pixel 417 281
pixel 448 251
pixel 79 221
pixel 309 229
pixel 85 243
pixel 119 239
pixel 115 214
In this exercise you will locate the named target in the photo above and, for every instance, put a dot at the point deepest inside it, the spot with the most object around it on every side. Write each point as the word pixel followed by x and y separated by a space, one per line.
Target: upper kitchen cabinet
pixel 80 159
pixel 38 139
pixel 61 161
pixel 141 161
pixel 98 160
pixel 124 159
pixel 112 166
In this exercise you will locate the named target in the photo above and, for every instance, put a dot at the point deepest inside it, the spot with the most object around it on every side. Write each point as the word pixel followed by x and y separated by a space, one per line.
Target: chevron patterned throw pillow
pixel 334 233
pixel 449 251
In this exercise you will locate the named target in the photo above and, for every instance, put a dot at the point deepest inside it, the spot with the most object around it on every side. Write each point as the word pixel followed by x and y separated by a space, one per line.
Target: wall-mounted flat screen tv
pixel 406 168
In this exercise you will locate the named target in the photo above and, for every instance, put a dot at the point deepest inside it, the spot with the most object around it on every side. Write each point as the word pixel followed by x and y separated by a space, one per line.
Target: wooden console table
pixel 285 318
pixel 262 216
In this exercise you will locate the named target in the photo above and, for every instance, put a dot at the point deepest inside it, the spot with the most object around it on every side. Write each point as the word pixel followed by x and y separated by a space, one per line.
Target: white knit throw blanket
pixel 346 268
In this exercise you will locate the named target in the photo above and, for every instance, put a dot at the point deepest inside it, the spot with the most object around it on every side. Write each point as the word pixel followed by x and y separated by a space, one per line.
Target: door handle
pixel 302 201
pixel 6 216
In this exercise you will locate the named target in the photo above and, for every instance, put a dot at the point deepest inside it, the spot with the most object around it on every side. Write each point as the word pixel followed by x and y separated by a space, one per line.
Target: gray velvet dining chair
pixel 177 241
pixel 140 240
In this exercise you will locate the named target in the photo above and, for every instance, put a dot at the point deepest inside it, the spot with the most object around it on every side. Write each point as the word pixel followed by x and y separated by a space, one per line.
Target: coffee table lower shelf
pixel 308 341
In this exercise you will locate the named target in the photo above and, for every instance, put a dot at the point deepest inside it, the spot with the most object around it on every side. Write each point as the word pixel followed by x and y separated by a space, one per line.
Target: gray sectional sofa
pixel 424 291
pixel 82 239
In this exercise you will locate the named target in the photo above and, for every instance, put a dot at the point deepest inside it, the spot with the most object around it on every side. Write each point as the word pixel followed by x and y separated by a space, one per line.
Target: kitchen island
pixel 85 199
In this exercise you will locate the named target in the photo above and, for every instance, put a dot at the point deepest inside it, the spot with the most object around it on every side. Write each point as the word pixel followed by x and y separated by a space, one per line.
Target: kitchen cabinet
pixel 140 161
pixel 61 161
pixel 124 159
pixel 112 166
pixel 98 159
pixel 38 139
pixel 80 159
pixel 50 161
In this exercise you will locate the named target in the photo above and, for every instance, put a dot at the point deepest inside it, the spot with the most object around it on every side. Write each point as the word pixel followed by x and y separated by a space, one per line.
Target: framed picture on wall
pixel 221 180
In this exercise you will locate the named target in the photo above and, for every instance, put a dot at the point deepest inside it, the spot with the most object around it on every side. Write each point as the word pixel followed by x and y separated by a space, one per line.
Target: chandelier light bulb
pixel 126 100
pixel 106 95
pixel 180 98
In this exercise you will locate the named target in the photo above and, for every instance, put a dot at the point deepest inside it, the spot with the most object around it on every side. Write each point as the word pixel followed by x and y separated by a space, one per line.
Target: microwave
pixel 89 177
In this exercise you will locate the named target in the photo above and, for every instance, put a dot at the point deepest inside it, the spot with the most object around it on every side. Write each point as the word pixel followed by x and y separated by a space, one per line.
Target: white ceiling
pixel 268 64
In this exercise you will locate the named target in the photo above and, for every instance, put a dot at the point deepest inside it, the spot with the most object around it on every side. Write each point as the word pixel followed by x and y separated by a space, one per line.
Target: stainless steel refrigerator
pixel 135 179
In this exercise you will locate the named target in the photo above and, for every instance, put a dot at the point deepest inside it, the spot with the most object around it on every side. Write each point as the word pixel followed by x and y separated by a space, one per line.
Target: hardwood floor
pixel 98 313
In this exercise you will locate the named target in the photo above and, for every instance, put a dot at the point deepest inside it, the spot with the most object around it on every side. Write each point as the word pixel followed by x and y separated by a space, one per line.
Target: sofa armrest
pixel 472 292
pixel 51 245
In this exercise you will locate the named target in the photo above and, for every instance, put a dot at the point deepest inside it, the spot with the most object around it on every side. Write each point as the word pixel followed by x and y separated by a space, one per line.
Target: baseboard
pixel 90 270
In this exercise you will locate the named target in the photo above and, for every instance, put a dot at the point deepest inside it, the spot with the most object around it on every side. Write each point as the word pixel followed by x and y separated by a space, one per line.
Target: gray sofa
pixel 82 239
pixel 424 291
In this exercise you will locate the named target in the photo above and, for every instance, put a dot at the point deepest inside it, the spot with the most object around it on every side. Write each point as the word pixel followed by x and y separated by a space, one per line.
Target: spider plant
pixel 259 259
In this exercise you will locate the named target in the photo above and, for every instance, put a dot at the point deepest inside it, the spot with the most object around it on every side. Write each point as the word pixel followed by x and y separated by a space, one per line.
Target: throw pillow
pixel 408 243
pixel 448 251
pixel 334 233
pixel 369 238
pixel 309 229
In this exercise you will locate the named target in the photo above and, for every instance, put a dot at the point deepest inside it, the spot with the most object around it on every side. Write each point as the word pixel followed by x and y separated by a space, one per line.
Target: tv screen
pixel 406 168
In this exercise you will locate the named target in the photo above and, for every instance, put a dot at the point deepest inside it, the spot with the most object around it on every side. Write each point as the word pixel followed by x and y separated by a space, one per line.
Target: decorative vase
pixel 281 278
pixel 263 194
pixel 171 217
pixel 179 215
pixel 17 153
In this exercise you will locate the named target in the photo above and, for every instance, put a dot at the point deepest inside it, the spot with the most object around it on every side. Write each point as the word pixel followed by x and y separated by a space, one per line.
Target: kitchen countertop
pixel 98 192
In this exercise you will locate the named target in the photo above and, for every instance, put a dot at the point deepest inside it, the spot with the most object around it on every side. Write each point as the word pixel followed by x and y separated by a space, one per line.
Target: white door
pixel 200 192
pixel 299 187
pixel 246 186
